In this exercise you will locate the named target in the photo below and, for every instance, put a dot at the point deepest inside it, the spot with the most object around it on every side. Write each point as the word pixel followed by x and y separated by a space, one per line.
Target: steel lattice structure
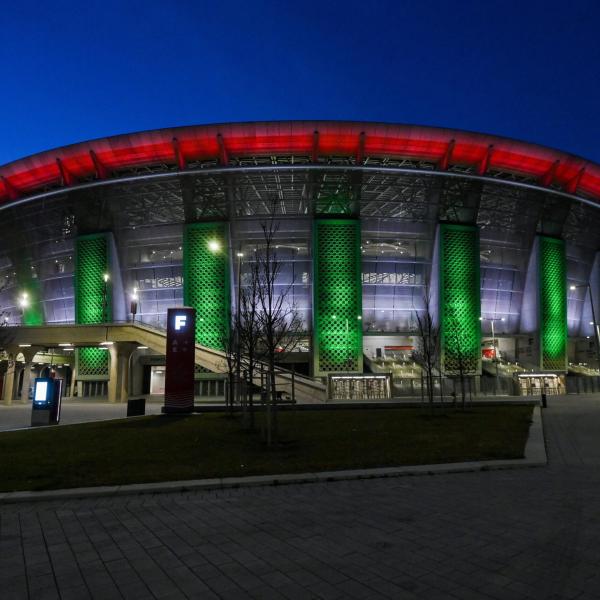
pixel 400 182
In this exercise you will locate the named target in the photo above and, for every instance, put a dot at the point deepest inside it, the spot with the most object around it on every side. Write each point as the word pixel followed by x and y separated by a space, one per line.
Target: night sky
pixel 73 71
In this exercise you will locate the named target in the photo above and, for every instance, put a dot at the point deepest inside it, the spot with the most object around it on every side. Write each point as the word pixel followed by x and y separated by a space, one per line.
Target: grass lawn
pixel 168 448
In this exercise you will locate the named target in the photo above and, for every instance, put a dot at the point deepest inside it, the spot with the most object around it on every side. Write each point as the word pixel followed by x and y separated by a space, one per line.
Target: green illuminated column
pixel 206 280
pixel 337 296
pixel 459 299
pixel 552 306
pixel 93 299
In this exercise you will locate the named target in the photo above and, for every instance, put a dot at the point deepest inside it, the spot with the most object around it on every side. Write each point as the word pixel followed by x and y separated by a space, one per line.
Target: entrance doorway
pixel 534 384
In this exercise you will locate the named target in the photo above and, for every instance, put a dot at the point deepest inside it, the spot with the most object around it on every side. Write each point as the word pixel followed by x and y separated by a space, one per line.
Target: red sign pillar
pixel 181 346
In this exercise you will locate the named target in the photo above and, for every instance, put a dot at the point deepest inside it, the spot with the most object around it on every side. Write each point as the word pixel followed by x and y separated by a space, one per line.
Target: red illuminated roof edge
pixel 67 165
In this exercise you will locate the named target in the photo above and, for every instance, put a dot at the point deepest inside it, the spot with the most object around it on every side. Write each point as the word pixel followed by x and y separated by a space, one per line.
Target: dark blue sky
pixel 73 71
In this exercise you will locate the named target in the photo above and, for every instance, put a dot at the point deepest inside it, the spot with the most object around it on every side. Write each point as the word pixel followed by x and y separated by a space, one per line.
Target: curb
pixel 535 456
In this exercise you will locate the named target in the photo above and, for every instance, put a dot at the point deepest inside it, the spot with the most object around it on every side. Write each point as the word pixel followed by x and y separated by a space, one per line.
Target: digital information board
pixel 180 358
pixel 47 394
pixel 41 392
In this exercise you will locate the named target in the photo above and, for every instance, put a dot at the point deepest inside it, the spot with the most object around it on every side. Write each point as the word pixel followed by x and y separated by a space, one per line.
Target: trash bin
pixel 136 407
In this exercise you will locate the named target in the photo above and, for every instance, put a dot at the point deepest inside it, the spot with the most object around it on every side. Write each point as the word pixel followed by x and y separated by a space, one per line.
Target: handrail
pixel 280 372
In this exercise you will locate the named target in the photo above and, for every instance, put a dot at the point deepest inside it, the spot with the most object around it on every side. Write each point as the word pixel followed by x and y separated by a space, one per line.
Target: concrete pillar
pixel 125 352
pixel 113 382
pixel 124 377
pixel 16 392
pixel 28 355
pixel 26 383
pixel 118 385
pixel 9 377
pixel 73 381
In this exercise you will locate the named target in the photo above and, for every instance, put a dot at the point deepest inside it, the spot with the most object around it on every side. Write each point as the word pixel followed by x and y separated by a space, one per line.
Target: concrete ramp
pixel 306 389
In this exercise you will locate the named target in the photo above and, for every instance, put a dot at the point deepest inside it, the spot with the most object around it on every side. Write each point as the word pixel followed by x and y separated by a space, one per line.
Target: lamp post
pixel 133 305
pixel 593 322
pixel 23 305
pixel 105 279
pixel 492 320
pixel 238 344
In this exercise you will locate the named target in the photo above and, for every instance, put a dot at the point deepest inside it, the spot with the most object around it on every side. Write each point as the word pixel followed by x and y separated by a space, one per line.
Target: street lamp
pixel 492 320
pixel 105 279
pixel 238 344
pixel 593 322
pixel 24 301
pixel 214 246
pixel 23 305
pixel 133 305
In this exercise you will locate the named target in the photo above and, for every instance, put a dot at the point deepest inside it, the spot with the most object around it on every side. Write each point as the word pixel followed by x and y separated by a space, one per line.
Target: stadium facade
pixel 503 234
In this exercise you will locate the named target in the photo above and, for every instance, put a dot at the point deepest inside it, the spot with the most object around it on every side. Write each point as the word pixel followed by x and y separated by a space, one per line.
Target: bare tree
pixel 461 356
pixel 249 337
pixel 427 354
pixel 277 318
pixel 229 345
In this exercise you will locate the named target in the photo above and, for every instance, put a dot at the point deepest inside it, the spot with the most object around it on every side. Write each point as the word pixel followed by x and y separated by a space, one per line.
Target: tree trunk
pixel 273 400
pixel 230 394
pixel 430 390
pixel 268 407
pixel 251 394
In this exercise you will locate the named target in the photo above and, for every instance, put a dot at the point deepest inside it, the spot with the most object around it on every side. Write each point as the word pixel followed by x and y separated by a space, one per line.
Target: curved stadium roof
pixel 232 145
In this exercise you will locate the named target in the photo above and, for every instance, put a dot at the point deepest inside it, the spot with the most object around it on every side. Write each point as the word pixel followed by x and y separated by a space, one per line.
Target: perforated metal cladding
pixel 459 295
pixel 92 295
pixel 93 299
pixel 206 280
pixel 553 303
pixel 92 363
pixel 337 296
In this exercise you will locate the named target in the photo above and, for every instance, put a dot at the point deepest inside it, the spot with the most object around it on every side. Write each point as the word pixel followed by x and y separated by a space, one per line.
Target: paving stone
pixel 75 593
pixel 101 592
pixel 495 535
pixel 266 593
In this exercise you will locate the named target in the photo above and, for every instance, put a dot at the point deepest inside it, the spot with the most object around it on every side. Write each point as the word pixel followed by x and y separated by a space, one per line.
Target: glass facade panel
pixel 503 263
pixel 396 261
pixel 399 214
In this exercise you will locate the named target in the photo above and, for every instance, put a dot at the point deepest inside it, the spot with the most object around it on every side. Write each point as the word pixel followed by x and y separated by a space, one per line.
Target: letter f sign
pixel 180 321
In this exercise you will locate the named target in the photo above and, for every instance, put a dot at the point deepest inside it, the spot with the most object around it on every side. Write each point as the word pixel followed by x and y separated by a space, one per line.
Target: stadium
pixel 377 224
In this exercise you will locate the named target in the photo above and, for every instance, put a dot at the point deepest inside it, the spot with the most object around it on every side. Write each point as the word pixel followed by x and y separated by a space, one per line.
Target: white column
pixel 28 356
pixel 113 383
pixel 9 378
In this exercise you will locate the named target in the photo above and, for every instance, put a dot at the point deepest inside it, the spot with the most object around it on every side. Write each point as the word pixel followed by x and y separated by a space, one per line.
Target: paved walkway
pixel 505 535
pixel 17 415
